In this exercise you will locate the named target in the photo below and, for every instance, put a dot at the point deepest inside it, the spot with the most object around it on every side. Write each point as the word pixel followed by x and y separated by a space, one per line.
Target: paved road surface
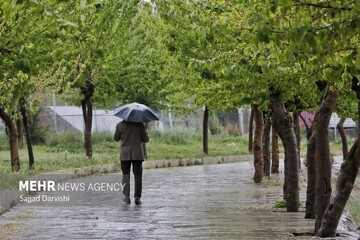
pixel 199 202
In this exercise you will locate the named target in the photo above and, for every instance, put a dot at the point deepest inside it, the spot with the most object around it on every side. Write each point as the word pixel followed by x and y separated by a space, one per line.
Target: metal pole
pixel 54 112
pixel 96 128
pixel 241 120
pixel 170 119
pixel 335 125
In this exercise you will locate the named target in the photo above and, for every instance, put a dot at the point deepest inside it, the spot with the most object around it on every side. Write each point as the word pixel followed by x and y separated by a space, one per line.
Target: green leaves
pixel 220 53
pixel 293 43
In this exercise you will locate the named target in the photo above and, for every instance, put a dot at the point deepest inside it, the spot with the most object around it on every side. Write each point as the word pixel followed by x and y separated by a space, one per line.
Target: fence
pixel 70 118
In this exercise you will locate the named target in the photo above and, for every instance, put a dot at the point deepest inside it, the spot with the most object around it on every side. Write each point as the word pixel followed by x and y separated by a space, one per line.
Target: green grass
pixel 181 145
pixel 65 150
pixel 281 204
pixel 353 205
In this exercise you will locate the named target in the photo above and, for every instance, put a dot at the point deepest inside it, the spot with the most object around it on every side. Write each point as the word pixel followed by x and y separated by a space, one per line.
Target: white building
pixel 65 118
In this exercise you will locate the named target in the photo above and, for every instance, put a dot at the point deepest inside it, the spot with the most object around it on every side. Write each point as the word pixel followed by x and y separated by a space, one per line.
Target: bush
pixel 69 141
pixel 354 207
pixel 39 133
pixel 4 142
pixel 175 137
pixel 281 204
pixel 104 140
pixel 232 129
pixel 214 124
pixel 101 137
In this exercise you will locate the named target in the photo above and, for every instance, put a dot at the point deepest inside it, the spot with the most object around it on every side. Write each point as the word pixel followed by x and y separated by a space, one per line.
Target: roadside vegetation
pixel 354 203
pixel 65 150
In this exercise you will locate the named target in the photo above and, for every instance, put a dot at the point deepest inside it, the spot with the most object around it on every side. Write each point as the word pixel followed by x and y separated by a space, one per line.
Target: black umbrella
pixel 136 112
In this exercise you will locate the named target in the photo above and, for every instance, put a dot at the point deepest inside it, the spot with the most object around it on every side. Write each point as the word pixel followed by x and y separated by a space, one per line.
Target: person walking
pixel 133 137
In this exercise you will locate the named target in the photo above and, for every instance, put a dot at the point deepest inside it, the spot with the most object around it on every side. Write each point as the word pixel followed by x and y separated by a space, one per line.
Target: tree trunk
pixel 26 123
pixel 340 128
pixel 345 183
pixel 297 133
pixel 86 104
pixel 308 128
pixel 266 146
pixel 274 152
pixel 356 88
pixel 283 125
pixel 251 130
pixel 20 128
pixel 286 178
pixel 257 146
pixel 323 159
pixel 311 177
pixel 13 140
pixel 206 131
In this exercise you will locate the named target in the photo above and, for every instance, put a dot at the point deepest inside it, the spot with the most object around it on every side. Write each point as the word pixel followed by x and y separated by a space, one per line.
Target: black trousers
pixel 137 171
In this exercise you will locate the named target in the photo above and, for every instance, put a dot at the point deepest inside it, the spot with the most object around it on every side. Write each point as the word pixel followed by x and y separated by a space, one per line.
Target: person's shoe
pixel 127 200
pixel 138 201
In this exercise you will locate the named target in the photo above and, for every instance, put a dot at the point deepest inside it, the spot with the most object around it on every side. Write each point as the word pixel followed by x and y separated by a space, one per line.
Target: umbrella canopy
pixel 136 112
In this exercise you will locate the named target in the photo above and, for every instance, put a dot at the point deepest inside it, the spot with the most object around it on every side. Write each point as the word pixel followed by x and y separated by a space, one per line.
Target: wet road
pixel 199 202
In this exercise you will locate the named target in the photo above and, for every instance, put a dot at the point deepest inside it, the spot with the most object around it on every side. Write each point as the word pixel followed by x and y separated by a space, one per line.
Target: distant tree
pixel 89 46
pixel 25 55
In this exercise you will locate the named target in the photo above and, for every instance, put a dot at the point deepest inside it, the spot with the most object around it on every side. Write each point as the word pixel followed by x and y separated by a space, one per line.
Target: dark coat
pixel 132 136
